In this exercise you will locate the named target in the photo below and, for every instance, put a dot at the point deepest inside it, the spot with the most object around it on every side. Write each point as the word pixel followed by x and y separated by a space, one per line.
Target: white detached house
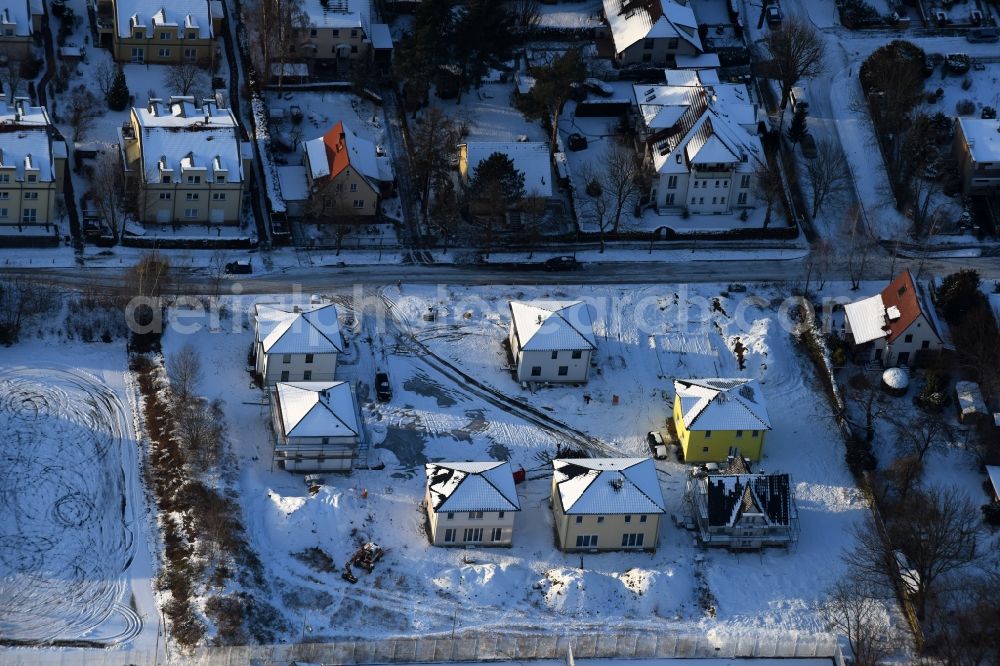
pixel 471 503
pixel 296 343
pixel 551 341
pixel 316 426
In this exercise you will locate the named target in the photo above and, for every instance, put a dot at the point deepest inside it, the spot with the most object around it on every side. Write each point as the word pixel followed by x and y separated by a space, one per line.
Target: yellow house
pixel 32 165
pixel 606 504
pixel 169 33
pixel 20 23
pixel 346 177
pixel 714 415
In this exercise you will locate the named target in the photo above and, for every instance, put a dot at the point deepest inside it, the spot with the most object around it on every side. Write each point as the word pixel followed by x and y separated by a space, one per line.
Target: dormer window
pixel 165 178
pixel 220 179
pixel 192 34
pixel 137 34
pixel 194 179
pixel 32 178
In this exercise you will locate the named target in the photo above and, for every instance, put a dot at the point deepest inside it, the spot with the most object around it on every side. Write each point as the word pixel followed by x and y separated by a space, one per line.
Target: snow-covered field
pixel 645 339
pixel 74 559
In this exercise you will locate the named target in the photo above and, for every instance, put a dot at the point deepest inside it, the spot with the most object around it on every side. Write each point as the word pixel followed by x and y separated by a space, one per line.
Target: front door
pixel 903 358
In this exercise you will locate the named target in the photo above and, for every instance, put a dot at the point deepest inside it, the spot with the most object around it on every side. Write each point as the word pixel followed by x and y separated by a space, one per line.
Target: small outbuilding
pixel 971 406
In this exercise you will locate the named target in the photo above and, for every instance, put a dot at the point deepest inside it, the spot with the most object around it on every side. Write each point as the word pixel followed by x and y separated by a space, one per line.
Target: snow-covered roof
pixel 338 13
pixel 25 143
pixel 866 319
pixel 633 20
pixel 471 486
pixel 717 127
pixel 15 13
pixel 983 138
pixel 185 136
pixel 183 14
pixel 553 325
pixel 529 157
pixel 889 313
pixel 340 148
pixel 381 37
pixel 697 61
pixel 970 399
pixel 293 182
pixel 993 472
pixel 317 409
pixel 608 486
pixel 22 114
pixel 289 329
pixel 722 404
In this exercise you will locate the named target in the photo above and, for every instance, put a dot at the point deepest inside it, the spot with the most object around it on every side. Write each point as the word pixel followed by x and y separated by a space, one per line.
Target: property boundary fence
pixel 507 647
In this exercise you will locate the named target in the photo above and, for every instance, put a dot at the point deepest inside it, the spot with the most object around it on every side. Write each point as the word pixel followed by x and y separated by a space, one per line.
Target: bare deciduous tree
pixel 110 191
pixel 81 111
pixel 526 14
pixel 446 210
pixel 148 277
pixel 277 29
pixel 599 208
pixel 936 532
pixel 11 74
pixel 769 187
pixel 104 76
pixel 622 176
pixel 918 436
pixel 795 53
pixel 827 174
pixel 184 372
pixel 186 78
pixel 858 612
pixel 861 246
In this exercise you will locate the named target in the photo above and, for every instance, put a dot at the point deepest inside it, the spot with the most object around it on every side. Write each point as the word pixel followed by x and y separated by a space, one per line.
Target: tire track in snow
pixel 65 537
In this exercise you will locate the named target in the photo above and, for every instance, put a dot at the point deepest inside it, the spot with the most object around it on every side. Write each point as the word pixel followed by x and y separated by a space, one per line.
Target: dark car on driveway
pixel 383 389
pixel 561 264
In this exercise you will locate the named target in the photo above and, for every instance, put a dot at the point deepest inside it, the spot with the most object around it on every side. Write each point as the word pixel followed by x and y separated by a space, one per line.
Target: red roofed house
pixel 895 327
pixel 346 176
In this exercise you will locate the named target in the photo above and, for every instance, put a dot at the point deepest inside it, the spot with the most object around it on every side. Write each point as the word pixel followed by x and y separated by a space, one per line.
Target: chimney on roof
pixel 539 319
pixel 296 309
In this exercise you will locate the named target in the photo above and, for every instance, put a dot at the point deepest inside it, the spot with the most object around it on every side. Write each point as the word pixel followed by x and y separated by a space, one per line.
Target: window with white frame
pixel 190 213
pixel 31 195
pixel 359 203
pixel 218 196
pixel 449 535
pixel 354 187
pixel 633 540
pixel 586 541
pixel 496 534
pixel 192 196
pixel 164 53
pixel 164 196
pixel 29 215
pixel 473 535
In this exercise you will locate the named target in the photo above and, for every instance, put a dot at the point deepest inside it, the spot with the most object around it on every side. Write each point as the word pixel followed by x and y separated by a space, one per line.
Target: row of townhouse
pixel 335 32
pixel 32 165
pixel 20 26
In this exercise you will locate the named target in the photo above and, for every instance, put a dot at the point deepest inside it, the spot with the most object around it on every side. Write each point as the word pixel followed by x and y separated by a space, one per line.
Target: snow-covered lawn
pixel 74 555
pixel 644 341
pixel 488 114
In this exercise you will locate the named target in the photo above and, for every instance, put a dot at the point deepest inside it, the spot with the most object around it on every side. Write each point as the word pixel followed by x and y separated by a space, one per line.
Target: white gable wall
pixel 271 367
pixel 576 369
pixel 724 187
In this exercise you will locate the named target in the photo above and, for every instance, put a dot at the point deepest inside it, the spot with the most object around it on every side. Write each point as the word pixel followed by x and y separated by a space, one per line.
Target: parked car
pixel 577 141
pixel 599 87
pixel 383 389
pixel 561 264
pixel 983 36
pixel 656 445
pixel 241 267
pixel 808 144
pixel 773 14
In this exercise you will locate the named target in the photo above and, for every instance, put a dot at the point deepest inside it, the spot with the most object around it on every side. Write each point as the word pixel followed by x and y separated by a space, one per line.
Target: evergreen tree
pixel 118 95
pixel 797 129
pixel 497 172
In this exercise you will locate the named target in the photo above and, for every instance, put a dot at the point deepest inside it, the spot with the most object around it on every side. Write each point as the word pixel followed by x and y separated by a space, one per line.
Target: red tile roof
pixel 901 294
pixel 336 150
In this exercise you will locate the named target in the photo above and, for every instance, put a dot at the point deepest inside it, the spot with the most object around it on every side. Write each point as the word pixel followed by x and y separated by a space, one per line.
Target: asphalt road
pixel 327 278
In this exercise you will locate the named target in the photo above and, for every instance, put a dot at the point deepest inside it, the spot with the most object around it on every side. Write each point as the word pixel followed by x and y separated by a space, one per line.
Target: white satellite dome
pixel 896 378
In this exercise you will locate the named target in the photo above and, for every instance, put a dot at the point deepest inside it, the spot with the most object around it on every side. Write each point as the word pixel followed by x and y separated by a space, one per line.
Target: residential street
pixel 319 279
